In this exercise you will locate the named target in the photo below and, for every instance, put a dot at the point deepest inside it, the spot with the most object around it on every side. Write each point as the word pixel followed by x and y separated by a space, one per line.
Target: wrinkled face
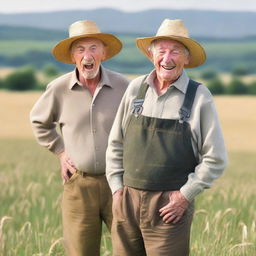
pixel 87 54
pixel 169 58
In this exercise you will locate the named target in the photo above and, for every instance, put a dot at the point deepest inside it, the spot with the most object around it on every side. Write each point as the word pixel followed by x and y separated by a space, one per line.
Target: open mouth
pixel 168 67
pixel 88 66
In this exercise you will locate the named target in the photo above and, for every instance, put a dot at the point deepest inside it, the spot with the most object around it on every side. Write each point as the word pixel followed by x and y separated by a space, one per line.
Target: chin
pixel 168 78
pixel 89 75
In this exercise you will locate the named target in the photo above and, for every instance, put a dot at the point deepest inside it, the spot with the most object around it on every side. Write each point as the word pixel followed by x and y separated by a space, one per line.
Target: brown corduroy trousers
pixel 138 229
pixel 86 202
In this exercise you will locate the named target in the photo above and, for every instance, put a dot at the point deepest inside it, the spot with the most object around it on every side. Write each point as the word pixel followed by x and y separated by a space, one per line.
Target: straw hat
pixel 85 29
pixel 175 30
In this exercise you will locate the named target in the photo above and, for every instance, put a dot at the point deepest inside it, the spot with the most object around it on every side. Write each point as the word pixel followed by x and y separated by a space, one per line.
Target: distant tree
pixel 191 75
pixel 240 70
pixel 216 86
pixel 209 74
pixel 1 84
pixel 21 80
pixel 236 86
pixel 252 88
pixel 41 86
pixel 50 70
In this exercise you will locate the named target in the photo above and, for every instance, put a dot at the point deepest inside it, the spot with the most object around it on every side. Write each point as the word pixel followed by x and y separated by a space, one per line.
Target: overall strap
pixel 138 102
pixel 143 89
pixel 185 110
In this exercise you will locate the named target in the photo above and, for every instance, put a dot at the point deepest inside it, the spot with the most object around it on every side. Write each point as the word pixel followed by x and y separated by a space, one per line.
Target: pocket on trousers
pixel 155 219
pixel 71 179
pixel 117 210
pixel 159 225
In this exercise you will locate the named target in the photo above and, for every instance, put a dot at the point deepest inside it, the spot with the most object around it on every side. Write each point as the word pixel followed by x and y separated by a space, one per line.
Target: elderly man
pixel 83 103
pixel 165 147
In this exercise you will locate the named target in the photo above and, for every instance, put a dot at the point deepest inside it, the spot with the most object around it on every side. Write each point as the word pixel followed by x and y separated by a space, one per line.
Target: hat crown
pixel 172 28
pixel 83 27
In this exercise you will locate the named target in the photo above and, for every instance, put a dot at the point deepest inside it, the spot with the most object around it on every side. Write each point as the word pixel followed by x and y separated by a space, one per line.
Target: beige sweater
pixel 84 121
pixel 207 139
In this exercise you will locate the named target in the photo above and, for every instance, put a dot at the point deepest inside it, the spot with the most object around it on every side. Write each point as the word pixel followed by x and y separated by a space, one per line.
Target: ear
pixel 72 57
pixel 104 53
pixel 187 60
pixel 150 54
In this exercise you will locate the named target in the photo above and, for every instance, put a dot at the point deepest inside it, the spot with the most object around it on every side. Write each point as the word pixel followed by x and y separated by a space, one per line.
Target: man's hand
pixel 173 211
pixel 66 165
pixel 117 196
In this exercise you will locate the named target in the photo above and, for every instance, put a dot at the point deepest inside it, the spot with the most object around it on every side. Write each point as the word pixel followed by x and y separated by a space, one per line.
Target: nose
pixel 167 58
pixel 87 56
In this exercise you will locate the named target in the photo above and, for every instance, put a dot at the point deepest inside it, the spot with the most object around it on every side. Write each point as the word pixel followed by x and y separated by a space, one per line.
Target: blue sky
pixel 19 6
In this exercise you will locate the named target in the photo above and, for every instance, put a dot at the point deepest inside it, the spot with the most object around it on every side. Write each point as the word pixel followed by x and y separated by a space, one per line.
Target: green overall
pixel 158 153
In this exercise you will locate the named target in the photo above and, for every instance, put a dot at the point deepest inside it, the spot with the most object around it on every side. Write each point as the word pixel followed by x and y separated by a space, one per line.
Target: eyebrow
pixel 81 46
pixel 174 47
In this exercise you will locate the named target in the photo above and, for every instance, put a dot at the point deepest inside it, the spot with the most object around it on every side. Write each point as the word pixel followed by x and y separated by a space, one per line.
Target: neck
pixel 161 86
pixel 90 84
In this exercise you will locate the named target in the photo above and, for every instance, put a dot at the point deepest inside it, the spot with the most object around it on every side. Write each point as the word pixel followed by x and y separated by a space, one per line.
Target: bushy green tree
pixel 21 80
pixel 1 84
pixel 208 74
pixel 240 70
pixel 50 70
pixel 252 88
pixel 236 86
pixel 216 86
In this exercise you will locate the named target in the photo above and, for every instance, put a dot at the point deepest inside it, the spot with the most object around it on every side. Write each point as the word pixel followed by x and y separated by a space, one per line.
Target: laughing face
pixel 169 58
pixel 87 54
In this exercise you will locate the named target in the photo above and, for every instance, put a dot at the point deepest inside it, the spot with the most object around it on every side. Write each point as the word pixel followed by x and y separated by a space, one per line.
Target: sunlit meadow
pixel 30 187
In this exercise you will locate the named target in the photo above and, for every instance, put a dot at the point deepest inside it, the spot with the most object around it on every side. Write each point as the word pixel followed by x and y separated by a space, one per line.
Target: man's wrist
pixel 119 191
pixel 60 154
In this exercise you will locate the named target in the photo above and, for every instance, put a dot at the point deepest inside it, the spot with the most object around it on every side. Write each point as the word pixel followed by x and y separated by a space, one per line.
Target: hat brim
pixel 61 51
pixel 197 53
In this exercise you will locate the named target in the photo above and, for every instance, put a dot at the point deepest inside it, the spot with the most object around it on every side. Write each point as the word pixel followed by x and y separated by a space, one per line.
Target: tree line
pixel 236 86
pixel 27 78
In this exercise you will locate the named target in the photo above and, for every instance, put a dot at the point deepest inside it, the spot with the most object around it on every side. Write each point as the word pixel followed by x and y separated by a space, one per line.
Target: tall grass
pixel 224 221
pixel 30 201
pixel 225 218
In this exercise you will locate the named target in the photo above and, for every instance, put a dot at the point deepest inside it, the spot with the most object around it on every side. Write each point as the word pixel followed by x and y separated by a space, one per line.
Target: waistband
pixel 84 174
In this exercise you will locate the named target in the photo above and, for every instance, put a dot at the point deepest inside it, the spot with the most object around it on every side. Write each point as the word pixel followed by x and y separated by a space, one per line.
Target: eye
pixel 161 52
pixel 175 52
pixel 79 50
pixel 93 49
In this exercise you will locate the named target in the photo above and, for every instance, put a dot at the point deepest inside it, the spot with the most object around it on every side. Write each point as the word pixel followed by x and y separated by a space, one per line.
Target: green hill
pixel 200 22
pixel 30 33
pixel 31 46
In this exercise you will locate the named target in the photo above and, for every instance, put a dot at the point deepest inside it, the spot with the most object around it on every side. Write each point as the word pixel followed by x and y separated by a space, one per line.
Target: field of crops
pixel 17 47
pixel 11 47
pixel 30 220
pixel 222 56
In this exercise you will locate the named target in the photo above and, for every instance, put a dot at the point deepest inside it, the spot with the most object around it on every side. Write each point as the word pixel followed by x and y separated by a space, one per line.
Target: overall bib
pixel 158 153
